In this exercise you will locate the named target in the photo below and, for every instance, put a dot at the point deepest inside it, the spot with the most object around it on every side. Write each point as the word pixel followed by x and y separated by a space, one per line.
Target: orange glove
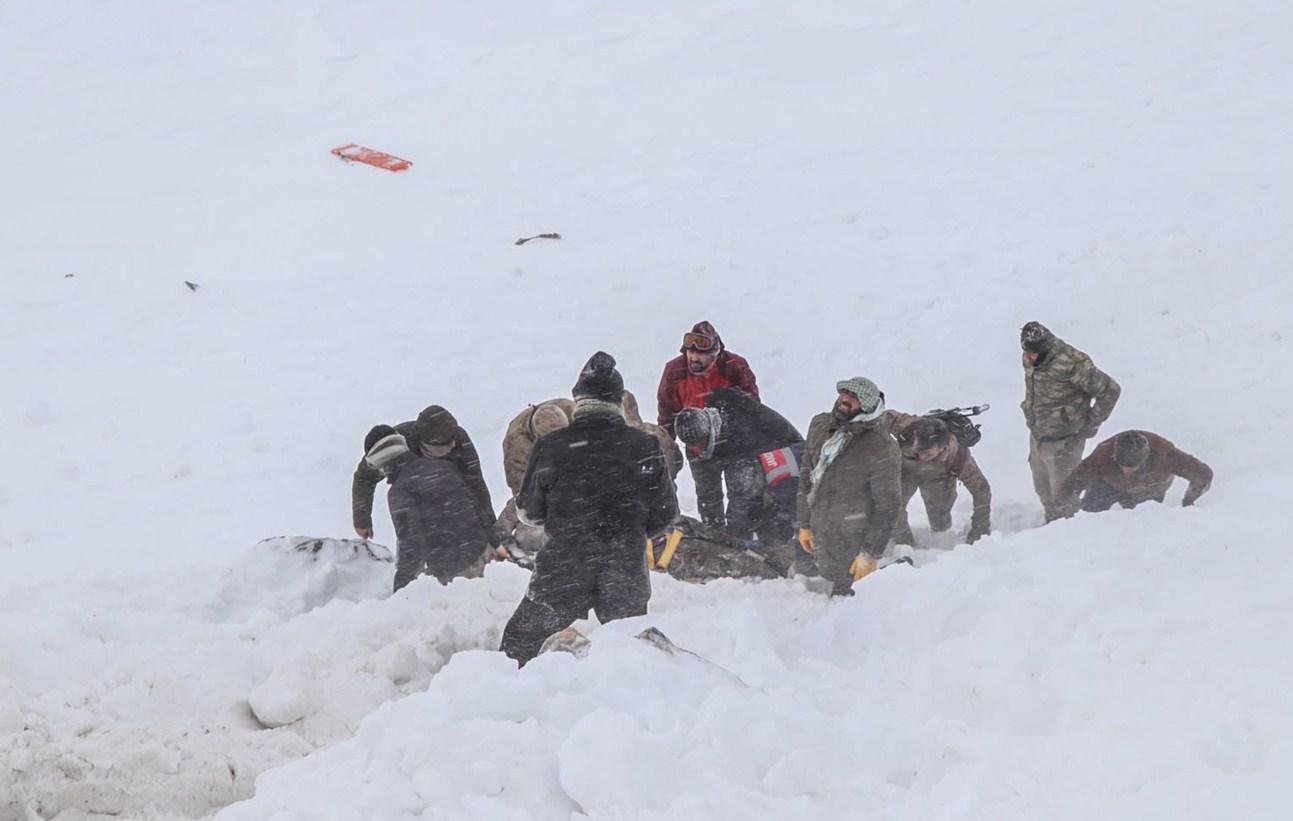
pixel 806 540
pixel 862 566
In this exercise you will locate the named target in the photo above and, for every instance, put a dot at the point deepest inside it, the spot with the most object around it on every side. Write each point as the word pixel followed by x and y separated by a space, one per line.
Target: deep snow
pixel 887 188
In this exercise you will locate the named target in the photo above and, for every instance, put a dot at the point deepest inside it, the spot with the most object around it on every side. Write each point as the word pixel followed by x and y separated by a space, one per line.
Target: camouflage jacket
pixel 1066 395
pixel 956 460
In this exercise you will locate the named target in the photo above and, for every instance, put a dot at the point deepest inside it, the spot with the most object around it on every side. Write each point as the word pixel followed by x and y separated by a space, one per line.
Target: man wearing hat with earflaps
pixel 850 485
pixel 1133 467
pixel 1066 400
pixel 599 489
pixel 436 525
pixel 702 366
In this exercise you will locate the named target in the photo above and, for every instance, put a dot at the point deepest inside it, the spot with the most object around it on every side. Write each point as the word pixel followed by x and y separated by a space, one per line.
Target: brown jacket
pixel 1150 481
pixel 860 491
pixel 955 460
pixel 464 457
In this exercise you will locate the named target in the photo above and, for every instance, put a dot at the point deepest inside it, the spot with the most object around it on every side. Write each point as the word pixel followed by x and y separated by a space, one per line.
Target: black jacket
pixel 434 513
pixel 598 481
pixel 749 427
pixel 464 456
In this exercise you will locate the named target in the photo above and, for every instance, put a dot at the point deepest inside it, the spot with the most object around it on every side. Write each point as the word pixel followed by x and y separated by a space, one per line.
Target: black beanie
pixel 1131 449
pixel 376 435
pixel 600 380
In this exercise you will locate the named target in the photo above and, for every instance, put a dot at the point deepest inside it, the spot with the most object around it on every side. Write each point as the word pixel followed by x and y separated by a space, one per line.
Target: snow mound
pixel 1062 673
pixel 179 722
pixel 288 576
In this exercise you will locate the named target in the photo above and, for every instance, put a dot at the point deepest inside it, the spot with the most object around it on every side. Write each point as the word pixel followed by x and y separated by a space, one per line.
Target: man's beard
pixel 841 414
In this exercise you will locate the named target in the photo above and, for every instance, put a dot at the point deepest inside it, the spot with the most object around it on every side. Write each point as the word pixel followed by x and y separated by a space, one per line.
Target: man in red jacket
pixel 704 364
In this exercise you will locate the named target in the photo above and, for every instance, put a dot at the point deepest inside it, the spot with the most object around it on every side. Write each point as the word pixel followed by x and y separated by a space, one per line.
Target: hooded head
pixel 701 345
pixel 929 437
pixel 600 381
pixel 546 419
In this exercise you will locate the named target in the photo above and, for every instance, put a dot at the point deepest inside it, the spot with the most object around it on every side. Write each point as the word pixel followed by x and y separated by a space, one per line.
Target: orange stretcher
pixel 379 159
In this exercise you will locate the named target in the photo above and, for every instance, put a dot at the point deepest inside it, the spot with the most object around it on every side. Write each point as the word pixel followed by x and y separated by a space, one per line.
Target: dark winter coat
pixel 599 488
pixel 435 516
pixel 749 427
pixel 597 481
pixel 857 502
pixel 680 388
pixel 463 456
pixel 1148 482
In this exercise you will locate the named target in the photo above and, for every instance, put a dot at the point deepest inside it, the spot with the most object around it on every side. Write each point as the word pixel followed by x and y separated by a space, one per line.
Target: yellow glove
pixel 862 566
pixel 650 554
pixel 806 540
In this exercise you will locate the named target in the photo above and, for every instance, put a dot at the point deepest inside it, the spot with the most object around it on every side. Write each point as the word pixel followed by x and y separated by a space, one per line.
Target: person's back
pixel 749 427
pixel 435 518
pixel 597 476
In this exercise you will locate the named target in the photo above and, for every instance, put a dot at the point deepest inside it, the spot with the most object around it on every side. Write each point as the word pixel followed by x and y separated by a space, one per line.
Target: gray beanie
pixel 1130 449
pixel 868 395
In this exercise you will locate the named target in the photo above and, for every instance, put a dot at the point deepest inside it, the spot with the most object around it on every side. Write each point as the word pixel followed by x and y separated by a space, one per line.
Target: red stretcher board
pixel 378 159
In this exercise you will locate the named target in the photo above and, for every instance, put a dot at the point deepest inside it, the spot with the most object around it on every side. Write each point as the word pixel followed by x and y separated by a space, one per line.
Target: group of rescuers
pixel 592 483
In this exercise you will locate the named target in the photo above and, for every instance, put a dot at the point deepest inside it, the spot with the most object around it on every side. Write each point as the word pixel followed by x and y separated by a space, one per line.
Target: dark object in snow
pixel 193 286
pixel 707 552
pixel 524 240
pixel 958 422
pixel 68 276
pixel 356 548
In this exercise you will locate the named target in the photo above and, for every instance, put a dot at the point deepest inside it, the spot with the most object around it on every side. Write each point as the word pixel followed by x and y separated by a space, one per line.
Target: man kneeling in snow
pixel 1133 467
pixel 599 489
pixel 437 525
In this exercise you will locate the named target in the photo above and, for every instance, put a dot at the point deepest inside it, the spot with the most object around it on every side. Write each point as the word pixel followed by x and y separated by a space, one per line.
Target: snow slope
pixel 885 188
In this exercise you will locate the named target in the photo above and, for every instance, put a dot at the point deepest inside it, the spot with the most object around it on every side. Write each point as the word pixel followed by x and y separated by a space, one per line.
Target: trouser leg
pixel 836 551
pixel 708 477
pixel 410 559
pixel 745 487
pixel 902 526
pixel 939 495
pixel 1099 497
pixel 1051 464
pixel 561 591
pixel 779 516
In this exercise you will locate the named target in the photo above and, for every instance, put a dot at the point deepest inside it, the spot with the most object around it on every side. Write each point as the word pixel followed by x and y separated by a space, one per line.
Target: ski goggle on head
pixel 698 342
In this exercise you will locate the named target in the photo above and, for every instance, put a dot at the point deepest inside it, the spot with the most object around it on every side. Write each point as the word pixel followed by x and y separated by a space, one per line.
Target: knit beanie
pixel 692 425
pixel 546 419
pixel 599 380
pixel 382 446
pixel 435 426
pixel 1035 337
pixel 868 395
pixel 1131 449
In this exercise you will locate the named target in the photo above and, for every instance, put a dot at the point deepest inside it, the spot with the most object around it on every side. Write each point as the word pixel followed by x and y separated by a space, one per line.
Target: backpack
pixel 958 422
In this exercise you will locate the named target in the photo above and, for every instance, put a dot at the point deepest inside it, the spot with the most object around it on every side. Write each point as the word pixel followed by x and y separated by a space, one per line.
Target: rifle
pixel 973 410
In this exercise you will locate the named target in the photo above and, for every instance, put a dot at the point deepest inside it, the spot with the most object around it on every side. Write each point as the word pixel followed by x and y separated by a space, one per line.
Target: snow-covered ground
pixel 887 189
